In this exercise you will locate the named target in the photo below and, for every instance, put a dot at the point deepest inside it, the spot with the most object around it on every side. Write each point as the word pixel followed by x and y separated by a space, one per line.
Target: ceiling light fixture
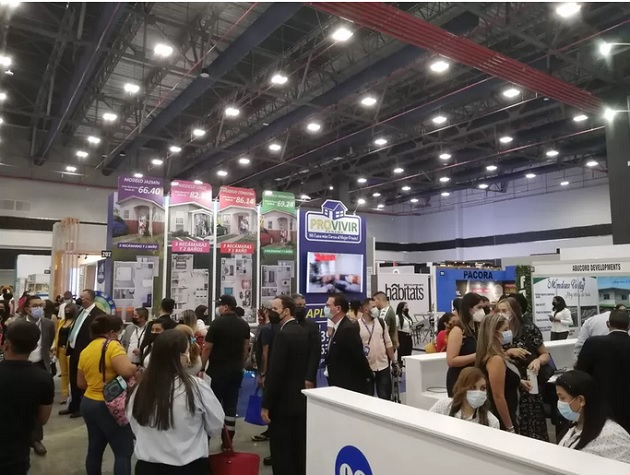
pixel 376 195
pixel 609 114
pixel 157 162
pixel 414 200
pixel 162 50
pixel 361 201
pixel 445 194
pixel 232 111
pixel 592 163
pixel 313 127
pixel 81 154
pixel 137 175
pixel 175 149
pixel 198 182
pixel 305 197
pixel 605 48
pixel 444 179
pixel 568 9
pixel 406 188
pixel 222 173
pixel 268 193
pixel 8 72
pixel 492 168
pixel 10 3
pixel 380 206
pixel 506 139
pixel 361 180
pixel 445 156
pixel 439 66
pixel 244 161
pixel 399 170
pixel 275 147
pixel 440 119
pixel 342 34
pixel 368 101
pixel 71 169
pixel 93 140
pixel 131 88
pixel 5 60
pixel 198 132
pixel 564 183
pixel 279 79
pixel 483 186
pixel 109 117
pixel 331 187
pixel 3 96
pixel 511 92
pixel 530 176
pixel 1 121
pixel 580 118
pixel 380 141
pixel 552 153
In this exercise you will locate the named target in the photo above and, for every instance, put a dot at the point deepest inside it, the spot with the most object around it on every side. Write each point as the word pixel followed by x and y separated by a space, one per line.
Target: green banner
pixel 278 201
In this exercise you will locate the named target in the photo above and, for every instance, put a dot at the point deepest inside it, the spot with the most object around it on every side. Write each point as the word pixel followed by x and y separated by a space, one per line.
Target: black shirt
pixel 227 334
pixel 23 388
pixel 264 338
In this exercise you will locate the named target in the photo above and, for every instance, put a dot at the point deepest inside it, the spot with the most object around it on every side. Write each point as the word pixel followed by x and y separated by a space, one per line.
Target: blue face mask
pixel 506 337
pixel 565 411
pixel 327 313
pixel 37 312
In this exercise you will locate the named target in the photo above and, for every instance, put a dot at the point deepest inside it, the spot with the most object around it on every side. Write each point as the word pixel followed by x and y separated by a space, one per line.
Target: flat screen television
pixel 329 273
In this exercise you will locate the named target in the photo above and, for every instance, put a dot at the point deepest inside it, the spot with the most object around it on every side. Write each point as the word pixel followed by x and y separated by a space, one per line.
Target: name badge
pixel 366 350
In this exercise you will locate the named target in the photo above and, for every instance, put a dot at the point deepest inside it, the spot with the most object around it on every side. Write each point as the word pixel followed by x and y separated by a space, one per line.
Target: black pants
pixel 405 345
pixel 288 444
pixel 382 384
pixel 76 394
pixel 559 336
pixel 198 467
pixel 38 431
pixel 226 388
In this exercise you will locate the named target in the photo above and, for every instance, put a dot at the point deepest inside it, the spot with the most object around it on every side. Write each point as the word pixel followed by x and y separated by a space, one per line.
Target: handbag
pixel 234 463
pixel 114 392
pixel 546 372
pixel 254 407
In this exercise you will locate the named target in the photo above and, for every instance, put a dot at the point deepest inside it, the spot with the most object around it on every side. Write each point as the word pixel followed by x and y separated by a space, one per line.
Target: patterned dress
pixel 531 414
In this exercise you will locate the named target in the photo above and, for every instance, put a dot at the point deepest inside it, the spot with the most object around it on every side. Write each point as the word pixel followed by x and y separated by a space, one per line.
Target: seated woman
pixel 470 400
pixel 593 431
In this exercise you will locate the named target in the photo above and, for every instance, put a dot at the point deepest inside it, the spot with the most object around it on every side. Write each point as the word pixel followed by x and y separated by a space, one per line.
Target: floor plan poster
pixel 190 286
pixel 237 242
pixel 278 243
pixel 133 284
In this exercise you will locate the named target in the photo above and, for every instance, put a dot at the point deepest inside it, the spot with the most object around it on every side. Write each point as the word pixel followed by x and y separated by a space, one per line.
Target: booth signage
pixel 188 192
pixel 591 268
pixel 351 461
pixel 613 267
pixel 410 288
pixel 331 224
pixel 106 254
pixel 241 197
pixel 191 246
pixel 148 188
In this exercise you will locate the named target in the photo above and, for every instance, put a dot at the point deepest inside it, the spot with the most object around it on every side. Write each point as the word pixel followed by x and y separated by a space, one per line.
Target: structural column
pixel 618 156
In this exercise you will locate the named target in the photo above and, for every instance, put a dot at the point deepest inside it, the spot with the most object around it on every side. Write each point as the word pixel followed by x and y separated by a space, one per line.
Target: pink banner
pixel 191 247
pixel 188 192
pixel 240 197
pixel 237 247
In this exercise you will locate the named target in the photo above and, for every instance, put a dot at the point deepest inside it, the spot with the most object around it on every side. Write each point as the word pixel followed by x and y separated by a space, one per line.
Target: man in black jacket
pixel 283 401
pixel 346 363
pixel 79 338
pixel 314 340
pixel 607 360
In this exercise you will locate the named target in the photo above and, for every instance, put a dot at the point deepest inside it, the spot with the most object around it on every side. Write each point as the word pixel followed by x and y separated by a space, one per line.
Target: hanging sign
pixel 191 219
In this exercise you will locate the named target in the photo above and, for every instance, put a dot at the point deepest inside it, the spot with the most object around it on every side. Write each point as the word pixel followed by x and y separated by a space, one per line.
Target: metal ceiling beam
pixel 111 13
pixel 260 30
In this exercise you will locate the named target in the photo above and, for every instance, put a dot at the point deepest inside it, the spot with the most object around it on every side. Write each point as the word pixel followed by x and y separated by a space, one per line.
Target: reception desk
pixel 350 434
pixel 426 374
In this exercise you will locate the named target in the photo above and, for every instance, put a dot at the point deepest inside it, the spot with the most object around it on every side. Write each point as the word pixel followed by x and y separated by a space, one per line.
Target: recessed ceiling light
pixel 157 162
pixel 244 161
pixel 376 195
pixel 484 186
pixel 491 168
pixel 275 147
pixel 198 182
pixel 530 175
pixel 380 141
pixel 10 3
pixel 414 200
pixel 331 187
pixel 592 163
pixel 232 111
pixel 8 72
pixel 313 127
pixel 137 175
pixel 439 66
pixel 222 173
pixel 605 48
pixel 109 117
pixel 5 60
pixel 564 183
pixel 94 140
pixel 568 9
pixel 305 197
pixel 552 153
pixel 580 118
pixel 279 79
pixel 368 101
pixel 361 180
pixel 440 119
pixel 609 114
pixel 1 121
pixel 82 154
pixel 199 132
pixel 445 156
pixel 511 92
pixel 162 50
pixel 342 34
pixel 445 194
pixel 131 88
pixel 399 170
pixel 506 139
pixel 175 149
pixel 71 169
pixel 268 192
pixel 380 206
pixel 406 188
pixel 444 179
pixel 361 201
pixel 3 96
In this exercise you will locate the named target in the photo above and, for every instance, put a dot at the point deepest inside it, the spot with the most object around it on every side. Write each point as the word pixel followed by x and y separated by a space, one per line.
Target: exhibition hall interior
pixel 350 238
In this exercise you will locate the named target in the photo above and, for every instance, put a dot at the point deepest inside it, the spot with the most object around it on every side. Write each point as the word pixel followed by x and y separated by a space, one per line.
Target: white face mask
pixel 374 312
pixel 479 315
pixel 475 398
pixel 217 311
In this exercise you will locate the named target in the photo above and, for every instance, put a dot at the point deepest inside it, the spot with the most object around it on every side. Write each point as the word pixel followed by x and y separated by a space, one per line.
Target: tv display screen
pixel 332 273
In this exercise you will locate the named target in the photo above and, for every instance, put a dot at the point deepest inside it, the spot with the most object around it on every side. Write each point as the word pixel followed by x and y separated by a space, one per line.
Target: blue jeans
pixel 103 430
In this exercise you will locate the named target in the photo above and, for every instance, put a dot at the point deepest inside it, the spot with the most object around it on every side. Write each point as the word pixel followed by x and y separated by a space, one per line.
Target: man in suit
pixel 77 341
pixel 283 401
pixel 41 355
pixel 607 360
pixel 346 364
pixel 388 315
pixel 314 340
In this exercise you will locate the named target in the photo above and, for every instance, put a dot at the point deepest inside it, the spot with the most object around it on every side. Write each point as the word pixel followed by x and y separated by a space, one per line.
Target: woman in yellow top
pixel 59 346
pixel 101 426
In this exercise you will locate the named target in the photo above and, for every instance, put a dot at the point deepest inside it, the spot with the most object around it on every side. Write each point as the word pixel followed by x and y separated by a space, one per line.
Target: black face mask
pixel 486 310
pixel 274 317
pixel 135 321
pixel 406 312
pixel 300 314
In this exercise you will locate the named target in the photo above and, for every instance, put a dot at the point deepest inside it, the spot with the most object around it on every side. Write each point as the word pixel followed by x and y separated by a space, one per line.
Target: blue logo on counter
pixel 351 461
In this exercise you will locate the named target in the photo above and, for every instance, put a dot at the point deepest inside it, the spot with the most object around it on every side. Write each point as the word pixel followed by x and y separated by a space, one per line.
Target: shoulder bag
pixel 115 391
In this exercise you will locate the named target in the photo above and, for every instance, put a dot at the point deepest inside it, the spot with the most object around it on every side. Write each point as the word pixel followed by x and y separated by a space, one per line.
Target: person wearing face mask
pixel 66 300
pixel 134 334
pixel 41 355
pixel 155 328
pixel 504 379
pixel 61 340
pixel 470 400
pixel 561 319
pixel 314 340
pixel 462 342
pixel 378 348
pixel 580 402
pixel 388 315
pixel 529 354
pixel 444 326
pixel 346 364
pixel 100 362
pixel 405 326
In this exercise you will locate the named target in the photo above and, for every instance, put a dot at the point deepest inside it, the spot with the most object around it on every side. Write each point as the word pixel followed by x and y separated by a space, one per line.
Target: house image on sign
pixel 612 296
pixel 280 225
pixel 237 221
pixel 334 209
pixel 190 218
pixel 142 217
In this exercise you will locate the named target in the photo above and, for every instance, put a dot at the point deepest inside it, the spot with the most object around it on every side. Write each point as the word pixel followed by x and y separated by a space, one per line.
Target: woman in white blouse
pixel 561 319
pixel 593 431
pixel 405 324
pixel 470 400
pixel 172 413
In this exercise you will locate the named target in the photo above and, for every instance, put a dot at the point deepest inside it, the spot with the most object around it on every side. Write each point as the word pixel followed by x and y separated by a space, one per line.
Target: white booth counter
pixel 426 374
pixel 354 434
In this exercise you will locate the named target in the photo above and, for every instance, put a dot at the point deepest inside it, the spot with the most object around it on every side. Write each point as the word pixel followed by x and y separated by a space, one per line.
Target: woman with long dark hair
pixel 462 339
pixel 172 413
pixel 155 328
pixel 561 319
pixel 593 431
pixel 405 326
pixel 444 326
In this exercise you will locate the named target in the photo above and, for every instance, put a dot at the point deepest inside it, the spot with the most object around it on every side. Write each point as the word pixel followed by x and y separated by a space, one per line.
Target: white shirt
pixel 135 340
pixel 406 326
pixel 443 406
pixel 36 354
pixel 72 339
pixel 594 326
pixel 564 323
pixel 187 440
pixel 202 328
pixel 377 340
pixel 613 442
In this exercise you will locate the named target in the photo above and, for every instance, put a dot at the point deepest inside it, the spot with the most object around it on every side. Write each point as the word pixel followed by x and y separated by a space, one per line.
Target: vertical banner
pixel 136 243
pixel 278 242
pixel 237 239
pixel 191 238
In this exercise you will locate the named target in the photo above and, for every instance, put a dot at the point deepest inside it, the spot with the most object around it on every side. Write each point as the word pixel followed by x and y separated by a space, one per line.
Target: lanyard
pixel 371 332
pixel 139 338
